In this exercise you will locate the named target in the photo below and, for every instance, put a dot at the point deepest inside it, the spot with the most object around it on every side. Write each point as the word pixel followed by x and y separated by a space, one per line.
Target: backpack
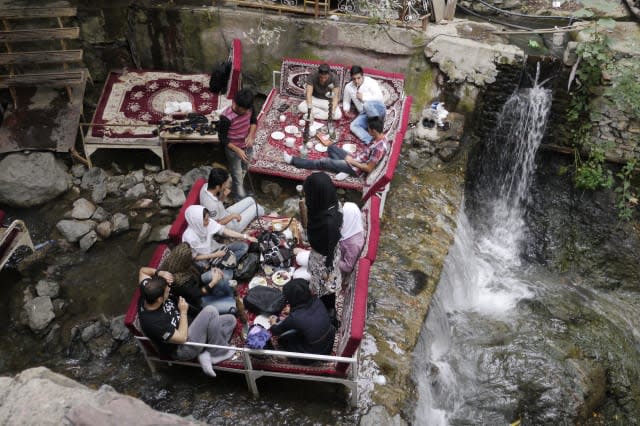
pixel 276 251
pixel 247 267
pixel 220 77
pixel 264 300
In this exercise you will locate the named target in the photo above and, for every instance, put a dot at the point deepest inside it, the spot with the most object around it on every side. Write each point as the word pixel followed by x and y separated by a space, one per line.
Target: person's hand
pixel 168 276
pixel 236 217
pixel 183 306
pixel 216 254
pixel 250 140
pixel 250 238
pixel 348 159
pixel 243 155
pixel 273 319
pixel 297 250
pixel 359 95
pixel 216 276
pixel 348 114
pixel 225 194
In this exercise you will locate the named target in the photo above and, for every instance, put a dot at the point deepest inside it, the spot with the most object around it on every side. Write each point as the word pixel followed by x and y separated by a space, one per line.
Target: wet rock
pixel 271 188
pixel 88 240
pixel 39 312
pixel 100 214
pixel 28 180
pixel 136 191
pixel 290 207
pixel 448 149
pixel 92 331
pixel 152 168
pixel 168 176
pixel 92 177
pixel 39 396
pixel 118 330
pixel 159 233
pixel 73 230
pixel 143 203
pixel 114 184
pixel 130 180
pixel 99 192
pixel 48 288
pixel 101 346
pixel 144 232
pixel 78 170
pixel 189 178
pixel 53 339
pixel 104 229
pixel 59 307
pixel 82 209
pixel 378 415
pixel 116 168
pixel 120 223
pixel 172 196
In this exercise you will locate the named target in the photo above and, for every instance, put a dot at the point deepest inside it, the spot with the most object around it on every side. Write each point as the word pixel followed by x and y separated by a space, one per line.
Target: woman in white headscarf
pixel 204 248
pixel 351 237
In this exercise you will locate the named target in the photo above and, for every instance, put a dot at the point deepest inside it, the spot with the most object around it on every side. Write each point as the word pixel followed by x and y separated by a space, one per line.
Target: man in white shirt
pixel 366 95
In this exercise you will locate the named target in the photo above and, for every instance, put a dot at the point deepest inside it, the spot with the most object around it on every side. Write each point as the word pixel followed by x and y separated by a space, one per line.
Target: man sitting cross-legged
pixel 365 93
pixel 168 327
pixel 340 161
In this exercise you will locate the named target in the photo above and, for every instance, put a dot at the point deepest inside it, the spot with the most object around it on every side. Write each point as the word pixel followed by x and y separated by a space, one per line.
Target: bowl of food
pixel 256 281
pixel 280 278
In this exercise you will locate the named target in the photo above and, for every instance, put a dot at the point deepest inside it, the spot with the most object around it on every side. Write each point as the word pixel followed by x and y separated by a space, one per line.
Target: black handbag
pixel 264 300
pixel 247 267
pixel 226 261
pixel 276 250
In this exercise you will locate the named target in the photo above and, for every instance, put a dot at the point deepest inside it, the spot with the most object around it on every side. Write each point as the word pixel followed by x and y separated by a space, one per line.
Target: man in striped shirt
pixel 237 132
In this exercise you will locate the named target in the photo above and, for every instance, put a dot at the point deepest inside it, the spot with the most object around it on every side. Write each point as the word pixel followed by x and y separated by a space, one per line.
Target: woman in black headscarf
pixel 323 231
pixel 308 316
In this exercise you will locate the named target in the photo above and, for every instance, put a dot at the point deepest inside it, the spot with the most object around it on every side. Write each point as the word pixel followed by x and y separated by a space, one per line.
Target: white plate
pixel 277 136
pixel 291 130
pixel 280 278
pixel 349 147
pixel 256 281
pixel 320 148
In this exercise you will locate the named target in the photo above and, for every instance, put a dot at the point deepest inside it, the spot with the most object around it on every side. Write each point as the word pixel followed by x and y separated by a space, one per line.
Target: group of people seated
pixel 176 303
pixel 322 95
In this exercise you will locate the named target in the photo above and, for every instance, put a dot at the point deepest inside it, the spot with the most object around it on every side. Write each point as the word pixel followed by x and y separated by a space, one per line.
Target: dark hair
pixel 244 99
pixel 205 212
pixel 153 288
pixel 324 69
pixel 296 293
pixel 356 69
pixel 319 193
pixel 217 176
pixel 375 123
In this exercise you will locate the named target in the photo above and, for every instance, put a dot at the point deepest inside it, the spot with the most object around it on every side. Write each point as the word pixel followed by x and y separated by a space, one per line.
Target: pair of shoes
pixel 287 157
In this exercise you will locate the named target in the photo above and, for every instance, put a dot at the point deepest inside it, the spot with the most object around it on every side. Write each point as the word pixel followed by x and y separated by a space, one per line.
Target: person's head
pixel 179 260
pixel 323 73
pixel 357 75
pixel 218 179
pixel 154 289
pixel 320 194
pixel 197 218
pixel 296 292
pixel 375 125
pixel 242 101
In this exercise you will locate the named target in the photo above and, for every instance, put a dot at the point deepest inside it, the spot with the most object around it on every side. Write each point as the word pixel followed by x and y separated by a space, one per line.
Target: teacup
pixel 283 118
pixel 290 142
pixel 312 132
pixel 301 123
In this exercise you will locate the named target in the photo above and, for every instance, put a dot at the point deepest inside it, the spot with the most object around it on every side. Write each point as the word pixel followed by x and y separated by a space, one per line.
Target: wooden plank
pixel 48 79
pixel 36 12
pixel 43 57
pixel 39 34
pixel 438 9
pixel 450 10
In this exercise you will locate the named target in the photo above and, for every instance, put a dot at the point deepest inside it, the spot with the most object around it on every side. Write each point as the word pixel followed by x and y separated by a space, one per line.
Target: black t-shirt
pixel 160 324
pixel 320 90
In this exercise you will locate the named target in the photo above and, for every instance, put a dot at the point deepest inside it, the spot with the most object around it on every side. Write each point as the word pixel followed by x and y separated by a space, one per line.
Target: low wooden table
pixel 170 138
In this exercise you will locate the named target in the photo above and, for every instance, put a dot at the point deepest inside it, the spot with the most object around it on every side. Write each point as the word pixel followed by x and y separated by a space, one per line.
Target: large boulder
pixel 40 397
pixel 28 180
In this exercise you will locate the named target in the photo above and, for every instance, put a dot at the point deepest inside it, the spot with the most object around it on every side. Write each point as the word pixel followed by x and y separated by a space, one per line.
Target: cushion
pixel 294 74
pixel 180 224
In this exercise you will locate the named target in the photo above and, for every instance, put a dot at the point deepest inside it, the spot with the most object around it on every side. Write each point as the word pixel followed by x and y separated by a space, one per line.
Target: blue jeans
pixel 359 125
pixel 237 170
pixel 222 289
pixel 334 163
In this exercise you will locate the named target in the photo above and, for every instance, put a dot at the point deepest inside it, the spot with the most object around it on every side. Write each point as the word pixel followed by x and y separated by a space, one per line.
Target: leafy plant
pixel 626 198
pixel 592 174
pixel 534 44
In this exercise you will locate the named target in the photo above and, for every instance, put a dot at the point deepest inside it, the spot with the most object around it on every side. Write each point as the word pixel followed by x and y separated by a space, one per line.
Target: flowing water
pixel 504 339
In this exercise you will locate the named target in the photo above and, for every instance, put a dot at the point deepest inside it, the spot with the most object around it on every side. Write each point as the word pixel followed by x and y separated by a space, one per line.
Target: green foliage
pixel 534 44
pixel 591 174
pixel 626 197
pixel 625 90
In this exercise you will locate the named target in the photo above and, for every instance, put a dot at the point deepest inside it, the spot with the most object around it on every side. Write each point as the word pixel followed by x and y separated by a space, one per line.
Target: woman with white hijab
pixel 351 237
pixel 199 235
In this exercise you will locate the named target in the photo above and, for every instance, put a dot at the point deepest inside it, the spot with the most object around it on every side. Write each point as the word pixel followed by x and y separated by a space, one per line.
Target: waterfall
pixel 483 278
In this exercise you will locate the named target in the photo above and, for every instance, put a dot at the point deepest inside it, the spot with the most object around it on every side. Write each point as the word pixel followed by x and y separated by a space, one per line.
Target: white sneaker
pixel 287 158
pixel 342 176
pixel 205 362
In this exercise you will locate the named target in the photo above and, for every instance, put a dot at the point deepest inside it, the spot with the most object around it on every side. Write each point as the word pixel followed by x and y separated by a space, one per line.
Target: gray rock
pixel 82 209
pixel 143 203
pixel 116 168
pixel 39 312
pixel 100 214
pixel 130 181
pixel 448 150
pixel 290 207
pixel 168 176
pixel 48 288
pixel 28 180
pixel 172 196
pixel 378 415
pixel 77 170
pixel 53 338
pixel 99 192
pixel 92 177
pixel 152 168
pixel 118 330
pixel 120 223
pixel 136 191
pixel 88 240
pixel 104 229
pixel 114 184
pixel 92 331
pixel 144 232
pixel 159 233
pixel 73 230
pixel 59 306
pixel 189 178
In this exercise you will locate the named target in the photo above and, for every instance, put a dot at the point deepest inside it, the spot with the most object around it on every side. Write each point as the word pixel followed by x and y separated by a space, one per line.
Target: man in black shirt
pixel 321 93
pixel 168 326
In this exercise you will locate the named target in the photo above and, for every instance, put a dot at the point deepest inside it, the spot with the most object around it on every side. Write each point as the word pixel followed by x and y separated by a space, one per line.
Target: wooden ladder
pixel 317 6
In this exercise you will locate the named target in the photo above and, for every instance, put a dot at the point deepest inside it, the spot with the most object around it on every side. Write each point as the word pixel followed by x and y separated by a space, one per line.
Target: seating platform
pixel 132 105
pixel 268 153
